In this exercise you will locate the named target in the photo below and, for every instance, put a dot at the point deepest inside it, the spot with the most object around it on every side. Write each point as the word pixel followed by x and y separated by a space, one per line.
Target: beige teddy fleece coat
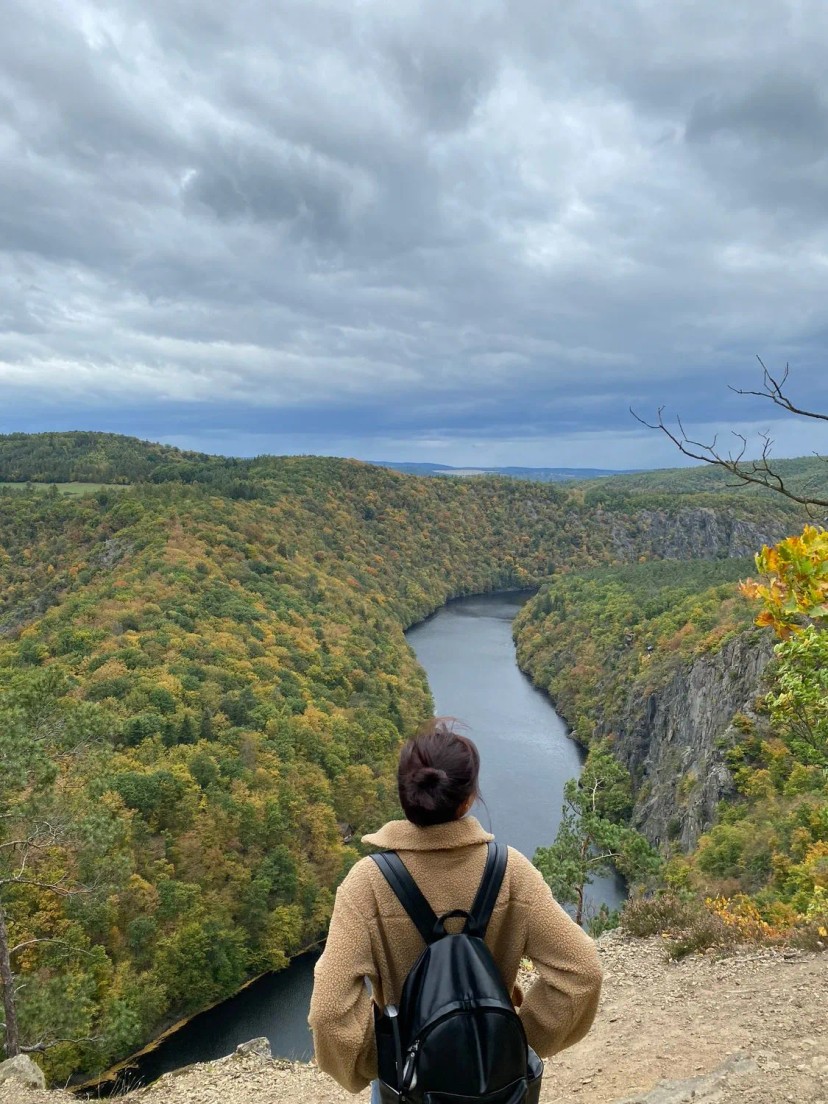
pixel 371 938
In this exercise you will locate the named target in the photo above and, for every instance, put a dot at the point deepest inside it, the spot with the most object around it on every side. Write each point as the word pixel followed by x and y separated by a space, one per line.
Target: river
pixel 526 756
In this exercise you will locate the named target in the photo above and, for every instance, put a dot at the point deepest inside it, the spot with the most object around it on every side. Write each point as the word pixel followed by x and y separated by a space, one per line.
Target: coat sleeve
pixel 559 1008
pixel 341 1010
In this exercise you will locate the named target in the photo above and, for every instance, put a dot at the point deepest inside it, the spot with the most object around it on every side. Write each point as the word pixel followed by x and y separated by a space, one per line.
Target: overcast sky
pixel 468 232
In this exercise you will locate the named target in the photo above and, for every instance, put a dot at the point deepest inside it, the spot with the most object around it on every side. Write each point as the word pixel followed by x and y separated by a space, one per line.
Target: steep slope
pixel 722 726
pixel 675 739
pixel 657 658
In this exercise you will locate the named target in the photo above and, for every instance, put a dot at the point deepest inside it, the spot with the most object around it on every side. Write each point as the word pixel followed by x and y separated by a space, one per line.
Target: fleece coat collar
pixel 402 835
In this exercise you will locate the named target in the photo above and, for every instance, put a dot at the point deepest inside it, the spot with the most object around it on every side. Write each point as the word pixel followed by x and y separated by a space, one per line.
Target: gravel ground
pixel 751 1027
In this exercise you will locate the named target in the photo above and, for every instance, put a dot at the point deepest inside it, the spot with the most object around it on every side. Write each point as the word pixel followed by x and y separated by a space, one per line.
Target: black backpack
pixel 455 1038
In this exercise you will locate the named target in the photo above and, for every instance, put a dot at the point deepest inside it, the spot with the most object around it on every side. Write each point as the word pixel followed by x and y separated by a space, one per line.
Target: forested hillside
pixel 590 638
pixel 83 458
pixel 204 686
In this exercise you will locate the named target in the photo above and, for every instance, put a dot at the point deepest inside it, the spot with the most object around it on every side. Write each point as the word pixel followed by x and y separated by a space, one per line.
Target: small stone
pixel 22 1070
pixel 260 1047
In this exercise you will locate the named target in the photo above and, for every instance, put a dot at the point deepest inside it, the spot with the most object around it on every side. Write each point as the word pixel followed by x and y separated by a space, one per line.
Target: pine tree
pixel 592 837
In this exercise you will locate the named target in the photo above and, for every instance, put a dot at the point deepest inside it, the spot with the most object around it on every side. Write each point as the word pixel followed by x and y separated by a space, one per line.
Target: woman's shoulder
pixel 518 862
pixel 525 880
pixel 358 885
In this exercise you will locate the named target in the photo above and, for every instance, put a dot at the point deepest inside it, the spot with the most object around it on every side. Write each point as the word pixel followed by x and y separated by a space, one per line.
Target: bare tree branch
pixel 773 391
pixel 758 472
pixel 48 939
pixel 55 887
pixel 607 855
pixel 47 1044
pixel 41 836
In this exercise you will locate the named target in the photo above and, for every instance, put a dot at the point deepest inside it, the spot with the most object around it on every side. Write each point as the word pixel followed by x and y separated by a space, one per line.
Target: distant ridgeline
pixel 537 475
pixel 204 683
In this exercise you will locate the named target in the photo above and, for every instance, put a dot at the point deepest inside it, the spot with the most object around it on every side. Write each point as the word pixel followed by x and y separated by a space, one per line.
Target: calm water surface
pixel 526 757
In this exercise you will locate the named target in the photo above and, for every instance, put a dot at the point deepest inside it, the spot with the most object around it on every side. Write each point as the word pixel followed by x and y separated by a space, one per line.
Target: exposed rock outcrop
pixel 259 1047
pixel 705 1089
pixel 673 740
pixel 691 533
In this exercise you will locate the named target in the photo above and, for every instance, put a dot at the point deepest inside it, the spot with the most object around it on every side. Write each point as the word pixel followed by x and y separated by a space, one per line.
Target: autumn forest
pixel 204 683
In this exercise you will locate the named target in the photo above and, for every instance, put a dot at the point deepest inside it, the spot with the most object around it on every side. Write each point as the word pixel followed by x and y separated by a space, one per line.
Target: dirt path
pixel 761 1015
pixel 751 1028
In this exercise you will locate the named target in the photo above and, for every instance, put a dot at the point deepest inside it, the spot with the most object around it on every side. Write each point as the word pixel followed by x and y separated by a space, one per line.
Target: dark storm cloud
pixel 409 224
pixel 783 109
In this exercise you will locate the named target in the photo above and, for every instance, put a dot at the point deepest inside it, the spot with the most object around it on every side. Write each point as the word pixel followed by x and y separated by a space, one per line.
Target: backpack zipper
pixel 408 1069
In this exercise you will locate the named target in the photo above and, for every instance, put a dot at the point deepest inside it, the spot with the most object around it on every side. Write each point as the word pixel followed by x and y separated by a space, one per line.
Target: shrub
pixel 605 919
pixel 659 915
pixel 812 936
pixel 705 931
pixel 690 926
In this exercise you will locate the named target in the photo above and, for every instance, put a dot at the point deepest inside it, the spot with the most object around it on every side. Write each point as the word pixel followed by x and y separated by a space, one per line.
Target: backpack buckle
pixel 469 928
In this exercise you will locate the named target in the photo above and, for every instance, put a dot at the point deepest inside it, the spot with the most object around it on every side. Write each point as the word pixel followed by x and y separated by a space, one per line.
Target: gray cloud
pixel 410 221
pixel 782 110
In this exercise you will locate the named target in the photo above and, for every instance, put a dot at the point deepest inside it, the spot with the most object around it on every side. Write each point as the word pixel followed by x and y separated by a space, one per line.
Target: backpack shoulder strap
pixel 484 902
pixel 408 893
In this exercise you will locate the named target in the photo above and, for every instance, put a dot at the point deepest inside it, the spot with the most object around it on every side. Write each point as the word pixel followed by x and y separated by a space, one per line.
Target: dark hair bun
pixel 428 778
pixel 437 773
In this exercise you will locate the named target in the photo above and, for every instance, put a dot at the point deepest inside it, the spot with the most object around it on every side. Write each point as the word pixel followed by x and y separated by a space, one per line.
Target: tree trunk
pixel 586 843
pixel 12 1041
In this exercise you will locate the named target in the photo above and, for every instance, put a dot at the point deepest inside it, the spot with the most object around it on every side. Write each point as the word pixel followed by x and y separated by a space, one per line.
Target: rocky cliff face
pixel 671 740
pixel 699 533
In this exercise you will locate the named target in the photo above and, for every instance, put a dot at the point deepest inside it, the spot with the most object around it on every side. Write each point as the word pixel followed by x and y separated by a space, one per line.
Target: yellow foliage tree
pixel 794 593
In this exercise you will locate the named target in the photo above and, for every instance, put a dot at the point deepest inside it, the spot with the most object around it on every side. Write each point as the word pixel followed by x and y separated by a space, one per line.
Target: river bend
pixel 467 652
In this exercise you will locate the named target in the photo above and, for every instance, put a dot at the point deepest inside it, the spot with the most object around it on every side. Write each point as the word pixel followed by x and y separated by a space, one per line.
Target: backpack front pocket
pixel 516 1093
